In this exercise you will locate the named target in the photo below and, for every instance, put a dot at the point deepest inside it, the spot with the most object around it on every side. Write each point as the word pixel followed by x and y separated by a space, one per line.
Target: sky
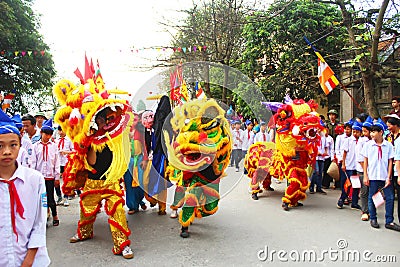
pixel 108 31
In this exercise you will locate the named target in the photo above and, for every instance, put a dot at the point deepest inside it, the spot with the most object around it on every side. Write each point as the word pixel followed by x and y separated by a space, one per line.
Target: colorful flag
pixel 184 92
pixel 199 91
pixel 7 100
pixel 327 78
pixel 176 80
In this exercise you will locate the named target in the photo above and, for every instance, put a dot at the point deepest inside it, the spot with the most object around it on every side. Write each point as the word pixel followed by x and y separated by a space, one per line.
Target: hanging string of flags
pixel 22 53
pixel 187 49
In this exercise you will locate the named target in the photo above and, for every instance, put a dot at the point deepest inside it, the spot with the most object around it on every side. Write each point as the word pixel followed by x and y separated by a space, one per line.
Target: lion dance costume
pixel 199 153
pixel 81 106
pixel 296 147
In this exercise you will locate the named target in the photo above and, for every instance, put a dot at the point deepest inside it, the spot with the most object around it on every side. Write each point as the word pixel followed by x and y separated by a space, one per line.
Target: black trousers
pixel 326 178
pixel 51 203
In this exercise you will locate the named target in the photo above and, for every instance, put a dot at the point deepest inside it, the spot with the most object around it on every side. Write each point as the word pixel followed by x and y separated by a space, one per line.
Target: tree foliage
pixel 30 75
pixel 366 28
pixel 276 55
pixel 217 25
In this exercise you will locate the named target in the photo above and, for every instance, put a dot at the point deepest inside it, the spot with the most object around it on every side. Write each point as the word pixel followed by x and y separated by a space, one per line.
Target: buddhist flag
pixel 199 91
pixel 7 100
pixel 326 76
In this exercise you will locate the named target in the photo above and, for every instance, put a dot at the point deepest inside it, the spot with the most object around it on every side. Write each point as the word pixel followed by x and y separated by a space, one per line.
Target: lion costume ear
pixel 62 89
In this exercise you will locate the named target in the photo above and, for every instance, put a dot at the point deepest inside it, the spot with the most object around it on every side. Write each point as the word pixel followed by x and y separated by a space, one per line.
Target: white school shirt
pixel 31 230
pixel 50 168
pixel 377 169
pixel 349 145
pixel 259 137
pixel 321 148
pixel 246 141
pixel 330 147
pixel 236 138
pixel 359 147
pixel 67 146
pixel 24 158
pixel 340 139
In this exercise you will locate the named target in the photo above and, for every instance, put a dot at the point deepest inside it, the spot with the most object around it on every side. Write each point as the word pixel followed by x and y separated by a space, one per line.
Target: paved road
pixel 239 234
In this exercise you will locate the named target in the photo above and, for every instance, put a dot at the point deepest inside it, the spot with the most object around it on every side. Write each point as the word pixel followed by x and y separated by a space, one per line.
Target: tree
pixel 366 28
pixel 217 26
pixel 30 71
pixel 276 55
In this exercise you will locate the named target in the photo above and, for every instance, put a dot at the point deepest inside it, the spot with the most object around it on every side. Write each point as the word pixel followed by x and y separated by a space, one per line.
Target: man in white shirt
pixel 236 145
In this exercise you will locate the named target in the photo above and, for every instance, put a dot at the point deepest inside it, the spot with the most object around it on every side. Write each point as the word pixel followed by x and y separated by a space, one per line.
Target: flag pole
pixel 351 97
pixel 340 82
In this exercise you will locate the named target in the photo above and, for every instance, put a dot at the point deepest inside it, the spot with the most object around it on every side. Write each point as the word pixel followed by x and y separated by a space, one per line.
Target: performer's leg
pixel 117 220
pixel 211 194
pixel 297 187
pixel 90 204
pixel 162 202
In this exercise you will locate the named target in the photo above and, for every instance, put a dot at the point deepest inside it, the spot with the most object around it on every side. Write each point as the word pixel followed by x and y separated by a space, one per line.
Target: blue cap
pixel 349 123
pixel 357 126
pixel 7 125
pixel 368 122
pixel 381 124
pixel 17 120
pixel 248 122
pixel 47 125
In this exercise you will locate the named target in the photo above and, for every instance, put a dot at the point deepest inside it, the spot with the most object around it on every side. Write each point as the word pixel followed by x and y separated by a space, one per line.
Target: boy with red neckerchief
pixel 24 194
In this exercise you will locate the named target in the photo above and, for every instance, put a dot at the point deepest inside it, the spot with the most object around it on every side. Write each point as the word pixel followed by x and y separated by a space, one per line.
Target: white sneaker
pixel 127 253
pixel 66 203
pixel 174 214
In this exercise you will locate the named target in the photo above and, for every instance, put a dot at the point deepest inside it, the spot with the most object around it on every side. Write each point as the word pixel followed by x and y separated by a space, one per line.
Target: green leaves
pixel 29 75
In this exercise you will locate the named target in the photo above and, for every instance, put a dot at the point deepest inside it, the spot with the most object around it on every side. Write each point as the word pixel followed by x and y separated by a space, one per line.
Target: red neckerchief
pixel 61 143
pixel 379 152
pixel 264 137
pixel 45 151
pixel 14 200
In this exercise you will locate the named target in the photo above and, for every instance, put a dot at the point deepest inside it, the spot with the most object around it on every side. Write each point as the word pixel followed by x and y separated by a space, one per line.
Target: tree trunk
pixel 369 94
pixel 225 86
pixel 207 90
pixel 367 71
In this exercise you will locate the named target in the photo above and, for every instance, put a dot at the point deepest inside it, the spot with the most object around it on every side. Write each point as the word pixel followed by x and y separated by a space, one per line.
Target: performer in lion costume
pixel 198 153
pixel 295 148
pixel 99 129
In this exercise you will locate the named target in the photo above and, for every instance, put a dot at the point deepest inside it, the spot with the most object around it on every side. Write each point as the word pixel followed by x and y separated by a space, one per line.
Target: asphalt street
pixel 243 232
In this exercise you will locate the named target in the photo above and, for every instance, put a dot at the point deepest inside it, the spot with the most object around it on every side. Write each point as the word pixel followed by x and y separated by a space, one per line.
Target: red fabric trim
pixel 119 227
pixel 121 247
pixel 112 211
